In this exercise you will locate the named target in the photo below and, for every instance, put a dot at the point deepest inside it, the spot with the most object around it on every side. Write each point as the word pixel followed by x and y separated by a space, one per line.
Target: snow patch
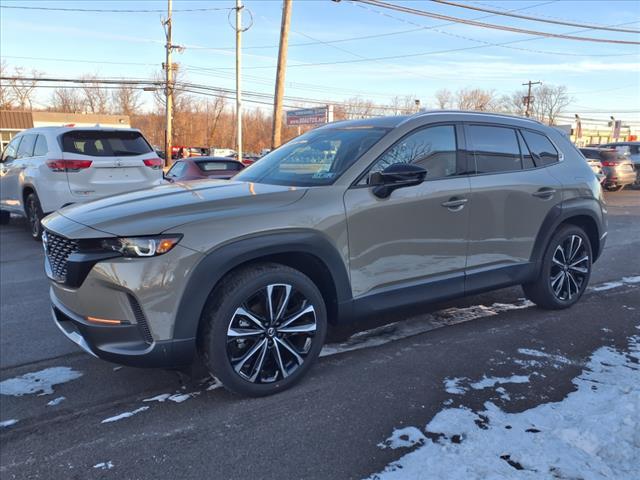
pixel 590 434
pixel 104 465
pixel 56 401
pixel 452 385
pixel 40 382
pixel 487 382
pixel 8 423
pixel 606 286
pixel 124 415
pixel 181 397
pixel 404 438
pixel 554 358
pixel 158 398
pixel 634 279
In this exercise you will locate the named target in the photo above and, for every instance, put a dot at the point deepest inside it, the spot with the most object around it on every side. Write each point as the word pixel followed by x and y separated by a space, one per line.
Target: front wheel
pixel 34 215
pixel 565 270
pixel 263 328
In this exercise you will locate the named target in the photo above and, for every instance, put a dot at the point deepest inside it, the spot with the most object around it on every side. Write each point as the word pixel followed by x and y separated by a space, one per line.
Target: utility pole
pixel 168 88
pixel 528 99
pixel 239 8
pixel 276 136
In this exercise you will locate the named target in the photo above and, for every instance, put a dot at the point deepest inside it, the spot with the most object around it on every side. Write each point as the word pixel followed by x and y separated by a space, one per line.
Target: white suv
pixel 46 168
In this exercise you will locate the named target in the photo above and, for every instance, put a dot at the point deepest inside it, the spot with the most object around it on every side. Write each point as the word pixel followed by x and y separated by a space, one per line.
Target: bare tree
pixel 23 85
pixel 96 97
pixel 549 101
pixel 126 100
pixel 402 105
pixel 444 99
pixel 66 100
pixel 475 99
pixel 6 93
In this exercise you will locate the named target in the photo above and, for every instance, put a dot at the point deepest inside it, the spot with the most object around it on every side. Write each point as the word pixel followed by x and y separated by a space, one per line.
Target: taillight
pixel 155 163
pixel 68 165
pixel 609 164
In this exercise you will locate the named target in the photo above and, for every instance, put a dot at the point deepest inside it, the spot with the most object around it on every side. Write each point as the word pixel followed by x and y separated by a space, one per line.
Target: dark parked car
pixel 220 168
pixel 630 150
pixel 618 168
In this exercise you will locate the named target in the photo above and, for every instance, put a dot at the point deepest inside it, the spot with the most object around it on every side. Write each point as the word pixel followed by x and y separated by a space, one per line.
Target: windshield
pixel 318 157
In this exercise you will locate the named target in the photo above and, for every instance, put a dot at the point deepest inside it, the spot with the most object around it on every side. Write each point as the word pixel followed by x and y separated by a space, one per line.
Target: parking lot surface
pixel 66 414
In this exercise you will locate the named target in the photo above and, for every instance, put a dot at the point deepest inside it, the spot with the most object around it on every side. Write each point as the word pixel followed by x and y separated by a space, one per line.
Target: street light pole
pixel 276 132
pixel 238 79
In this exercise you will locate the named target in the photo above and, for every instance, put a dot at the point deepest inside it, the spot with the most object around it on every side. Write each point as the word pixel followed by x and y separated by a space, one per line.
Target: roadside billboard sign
pixel 310 116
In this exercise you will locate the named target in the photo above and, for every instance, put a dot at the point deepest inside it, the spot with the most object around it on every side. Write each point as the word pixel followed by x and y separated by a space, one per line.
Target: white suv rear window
pixel 105 144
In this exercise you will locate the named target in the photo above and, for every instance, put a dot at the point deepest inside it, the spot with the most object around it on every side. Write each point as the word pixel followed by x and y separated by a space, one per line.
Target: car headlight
pixel 141 246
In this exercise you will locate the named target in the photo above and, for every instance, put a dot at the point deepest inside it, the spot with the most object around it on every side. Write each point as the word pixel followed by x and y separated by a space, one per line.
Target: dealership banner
pixel 310 116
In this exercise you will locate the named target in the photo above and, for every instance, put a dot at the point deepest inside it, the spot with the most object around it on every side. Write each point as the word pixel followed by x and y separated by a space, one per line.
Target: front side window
pixel 433 148
pixel 26 146
pixel 10 153
pixel 543 151
pixel 97 143
pixel 318 157
pixel 41 146
pixel 177 169
pixel 495 149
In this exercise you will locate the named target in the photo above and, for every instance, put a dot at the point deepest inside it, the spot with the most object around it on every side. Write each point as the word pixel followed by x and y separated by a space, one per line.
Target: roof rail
pixel 470 112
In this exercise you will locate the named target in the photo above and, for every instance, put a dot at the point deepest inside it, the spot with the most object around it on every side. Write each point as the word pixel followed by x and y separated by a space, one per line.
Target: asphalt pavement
pixel 328 426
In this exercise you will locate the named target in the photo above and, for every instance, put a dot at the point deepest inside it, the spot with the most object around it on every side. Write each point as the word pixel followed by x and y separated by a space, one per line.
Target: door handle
pixel 454 204
pixel 544 193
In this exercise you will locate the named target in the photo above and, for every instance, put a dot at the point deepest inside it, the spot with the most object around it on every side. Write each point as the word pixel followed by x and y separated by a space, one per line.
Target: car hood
pixel 155 210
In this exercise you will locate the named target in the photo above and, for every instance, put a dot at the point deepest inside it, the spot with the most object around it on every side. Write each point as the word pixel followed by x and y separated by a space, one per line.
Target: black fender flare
pixel 221 260
pixel 578 207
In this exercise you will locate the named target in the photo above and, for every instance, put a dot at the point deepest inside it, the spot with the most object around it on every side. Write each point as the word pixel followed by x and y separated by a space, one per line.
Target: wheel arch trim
pixel 220 261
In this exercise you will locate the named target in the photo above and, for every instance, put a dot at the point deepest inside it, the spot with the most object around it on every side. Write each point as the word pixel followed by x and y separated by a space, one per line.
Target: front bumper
pixel 122 344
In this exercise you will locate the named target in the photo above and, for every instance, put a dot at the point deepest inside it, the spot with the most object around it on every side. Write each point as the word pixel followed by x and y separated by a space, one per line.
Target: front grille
pixel 141 320
pixel 58 248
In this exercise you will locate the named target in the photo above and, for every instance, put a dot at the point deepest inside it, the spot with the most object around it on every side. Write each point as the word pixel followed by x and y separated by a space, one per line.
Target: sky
pixel 603 79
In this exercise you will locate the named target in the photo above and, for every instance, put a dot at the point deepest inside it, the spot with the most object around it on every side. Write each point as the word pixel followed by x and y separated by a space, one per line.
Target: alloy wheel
pixel 270 334
pixel 569 268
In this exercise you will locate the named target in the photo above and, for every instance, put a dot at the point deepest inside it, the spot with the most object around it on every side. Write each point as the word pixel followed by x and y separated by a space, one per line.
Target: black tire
pixel 5 217
pixel 557 286
pixel 33 210
pixel 274 366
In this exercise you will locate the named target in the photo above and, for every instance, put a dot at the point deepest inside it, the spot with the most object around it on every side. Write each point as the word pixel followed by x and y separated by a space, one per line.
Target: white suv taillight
pixel 68 165
pixel 155 163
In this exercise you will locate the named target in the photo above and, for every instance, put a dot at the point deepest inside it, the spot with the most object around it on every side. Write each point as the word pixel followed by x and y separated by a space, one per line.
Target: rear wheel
pixel 565 271
pixel 5 217
pixel 34 215
pixel 263 328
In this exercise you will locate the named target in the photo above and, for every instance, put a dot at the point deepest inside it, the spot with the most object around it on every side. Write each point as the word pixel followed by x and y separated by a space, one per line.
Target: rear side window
pixel 41 146
pixel 26 146
pixel 210 166
pixel 543 151
pixel 527 158
pixel 105 144
pixel 495 149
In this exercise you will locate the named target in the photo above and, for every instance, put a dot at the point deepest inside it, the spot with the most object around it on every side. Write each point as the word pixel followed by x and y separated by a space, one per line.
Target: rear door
pixel 511 194
pixel 121 161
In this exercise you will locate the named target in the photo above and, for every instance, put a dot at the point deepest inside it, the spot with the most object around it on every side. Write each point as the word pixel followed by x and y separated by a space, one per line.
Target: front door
pixel 418 234
pixel 10 169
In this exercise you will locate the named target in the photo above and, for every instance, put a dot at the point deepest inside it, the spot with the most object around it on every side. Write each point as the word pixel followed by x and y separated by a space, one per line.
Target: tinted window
pixel 543 151
pixel 41 146
pixel 318 157
pixel 590 153
pixel 217 165
pixel 12 150
pixel 527 158
pixel 177 170
pixel 433 148
pixel 26 146
pixel 495 148
pixel 105 144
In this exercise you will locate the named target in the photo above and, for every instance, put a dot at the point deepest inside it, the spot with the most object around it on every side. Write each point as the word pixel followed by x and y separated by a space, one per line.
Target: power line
pixel 424 13
pixel 534 19
pixel 96 10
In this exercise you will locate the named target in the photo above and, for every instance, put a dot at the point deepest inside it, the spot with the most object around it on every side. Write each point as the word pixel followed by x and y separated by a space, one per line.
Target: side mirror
pixel 396 176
